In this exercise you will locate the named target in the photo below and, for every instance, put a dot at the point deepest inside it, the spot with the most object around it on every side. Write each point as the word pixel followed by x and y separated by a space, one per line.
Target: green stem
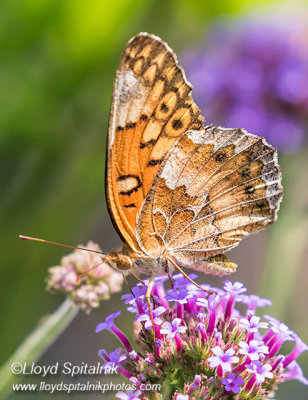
pixel 36 343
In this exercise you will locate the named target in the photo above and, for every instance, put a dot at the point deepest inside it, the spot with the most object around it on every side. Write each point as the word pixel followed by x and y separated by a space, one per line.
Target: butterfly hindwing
pixel 215 187
pixel 151 108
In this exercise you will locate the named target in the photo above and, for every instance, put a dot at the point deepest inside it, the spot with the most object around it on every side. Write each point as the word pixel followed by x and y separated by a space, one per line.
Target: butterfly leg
pixel 148 297
pixel 128 285
pixel 186 276
pixel 171 281
pixel 143 283
pixel 138 279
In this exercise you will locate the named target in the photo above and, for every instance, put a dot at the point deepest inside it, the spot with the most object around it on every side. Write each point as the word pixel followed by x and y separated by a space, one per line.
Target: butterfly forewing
pixel 151 108
pixel 215 187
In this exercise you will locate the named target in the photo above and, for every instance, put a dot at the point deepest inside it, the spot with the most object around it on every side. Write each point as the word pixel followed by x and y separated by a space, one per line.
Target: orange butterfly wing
pixel 151 108
pixel 215 187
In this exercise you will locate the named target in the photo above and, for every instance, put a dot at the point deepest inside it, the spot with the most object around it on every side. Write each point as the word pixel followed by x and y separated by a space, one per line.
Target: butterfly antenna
pixel 58 244
pixel 186 276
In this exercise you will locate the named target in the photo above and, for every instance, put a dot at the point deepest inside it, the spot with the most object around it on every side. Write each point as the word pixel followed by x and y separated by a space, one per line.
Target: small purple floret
pixel 172 329
pixel 156 317
pixel 108 323
pixel 234 288
pixel 253 325
pixel 233 383
pixel 223 359
pixel 115 357
pixel 129 395
pixel 179 296
pixel 138 292
pixel 254 349
pixel 261 371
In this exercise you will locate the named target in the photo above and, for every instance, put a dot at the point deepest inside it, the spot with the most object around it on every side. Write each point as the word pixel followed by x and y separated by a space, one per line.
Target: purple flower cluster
pixel 254 75
pixel 205 347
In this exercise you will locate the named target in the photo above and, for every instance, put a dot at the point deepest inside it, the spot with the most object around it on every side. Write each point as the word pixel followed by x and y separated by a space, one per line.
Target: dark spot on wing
pixel 151 163
pixel 246 172
pixel 221 156
pixel 130 125
pixel 148 144
pixel 131 205
pixel 177 124
pixel 261 204
pixel 164 108
pixel 249 189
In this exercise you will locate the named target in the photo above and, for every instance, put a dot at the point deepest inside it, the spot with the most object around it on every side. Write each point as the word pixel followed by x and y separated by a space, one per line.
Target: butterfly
pixel 179 193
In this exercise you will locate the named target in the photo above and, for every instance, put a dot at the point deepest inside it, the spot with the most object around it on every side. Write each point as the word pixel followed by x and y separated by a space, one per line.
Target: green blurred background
pixel 58 62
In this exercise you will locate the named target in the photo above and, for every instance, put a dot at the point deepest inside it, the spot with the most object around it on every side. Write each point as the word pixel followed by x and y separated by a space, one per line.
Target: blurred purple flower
pixel 254 301
pixel 254 75
pixel 279 327
pixel 294 371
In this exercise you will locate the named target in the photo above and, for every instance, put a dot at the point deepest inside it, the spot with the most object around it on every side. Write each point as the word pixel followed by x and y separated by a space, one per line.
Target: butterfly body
pixel 178 192
pixel 126 261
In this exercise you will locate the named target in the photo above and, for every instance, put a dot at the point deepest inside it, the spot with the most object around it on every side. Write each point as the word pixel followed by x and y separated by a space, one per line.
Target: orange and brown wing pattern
pixel 215 187
pixel 151 108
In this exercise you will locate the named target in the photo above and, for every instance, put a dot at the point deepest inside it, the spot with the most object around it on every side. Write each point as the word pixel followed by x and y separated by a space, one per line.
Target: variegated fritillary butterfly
pixel 179 193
